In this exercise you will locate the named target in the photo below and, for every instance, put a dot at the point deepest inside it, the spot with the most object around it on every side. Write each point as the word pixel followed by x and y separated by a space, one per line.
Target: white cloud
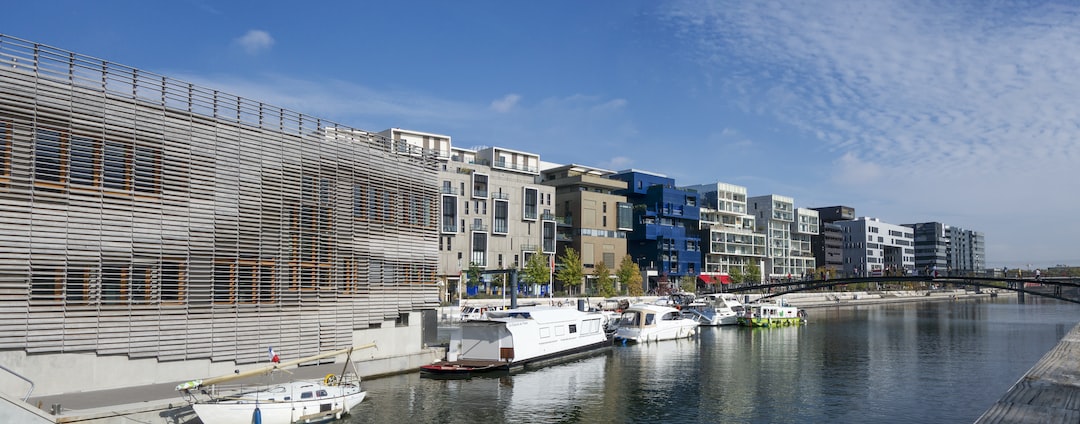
pixel 931 101
pixel 506 103
pixel 618 163
pixel 255 41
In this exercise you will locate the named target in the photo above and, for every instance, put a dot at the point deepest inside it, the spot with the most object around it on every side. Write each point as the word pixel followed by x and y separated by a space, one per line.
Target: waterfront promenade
pixel 161 403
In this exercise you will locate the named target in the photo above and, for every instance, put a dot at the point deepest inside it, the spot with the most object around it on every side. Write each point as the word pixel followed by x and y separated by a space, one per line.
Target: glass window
pixel 48 156
pixel 83 160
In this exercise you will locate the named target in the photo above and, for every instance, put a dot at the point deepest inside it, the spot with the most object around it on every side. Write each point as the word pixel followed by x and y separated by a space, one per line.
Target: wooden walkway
pixel 1048 393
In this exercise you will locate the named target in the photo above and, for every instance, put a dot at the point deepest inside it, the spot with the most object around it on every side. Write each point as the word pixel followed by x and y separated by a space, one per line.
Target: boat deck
pixel 465 366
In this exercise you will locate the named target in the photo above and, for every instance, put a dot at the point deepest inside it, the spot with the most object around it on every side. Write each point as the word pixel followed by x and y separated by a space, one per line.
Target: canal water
pixel 941 362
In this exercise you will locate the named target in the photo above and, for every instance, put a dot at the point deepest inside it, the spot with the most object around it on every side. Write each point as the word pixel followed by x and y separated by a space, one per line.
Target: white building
pixel 872 247
pixel 728 230
pixel 775 215
pixel 803 229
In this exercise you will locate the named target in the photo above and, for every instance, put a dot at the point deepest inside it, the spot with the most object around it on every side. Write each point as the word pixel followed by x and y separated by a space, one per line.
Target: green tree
pixel 629 276
pixel 536 269
pixel 472 275
pixel 753 273
pixel 688 283
pixel 736 274
pixel 571 272
pixel 605 284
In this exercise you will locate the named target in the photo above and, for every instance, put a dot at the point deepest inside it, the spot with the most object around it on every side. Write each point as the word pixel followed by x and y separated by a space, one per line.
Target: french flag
pixel 273 356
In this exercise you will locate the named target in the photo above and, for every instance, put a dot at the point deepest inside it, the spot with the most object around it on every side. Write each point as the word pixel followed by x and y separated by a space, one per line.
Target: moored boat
pixel 514 339
pixel 716 309
pixel 772 314
pixel 281 403
pixel 644 322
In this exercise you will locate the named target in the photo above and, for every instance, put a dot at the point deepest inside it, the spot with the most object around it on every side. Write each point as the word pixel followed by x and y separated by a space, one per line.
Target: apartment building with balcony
pixel 946 248
pixel 806 226
pixel 728 231
pixel 593 219
pixel 828 245
pixel 775 215
pixel 492 212
pixel 873 247
pixel 665 237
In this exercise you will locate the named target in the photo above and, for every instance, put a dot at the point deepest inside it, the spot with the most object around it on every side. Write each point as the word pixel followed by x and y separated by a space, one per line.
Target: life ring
pixel 330 379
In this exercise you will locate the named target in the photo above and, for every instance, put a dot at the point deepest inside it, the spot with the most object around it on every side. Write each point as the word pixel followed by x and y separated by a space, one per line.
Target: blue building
pixel 665 240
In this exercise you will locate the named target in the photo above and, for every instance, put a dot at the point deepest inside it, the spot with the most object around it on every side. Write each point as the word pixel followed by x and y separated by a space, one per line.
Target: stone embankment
pixel 451 314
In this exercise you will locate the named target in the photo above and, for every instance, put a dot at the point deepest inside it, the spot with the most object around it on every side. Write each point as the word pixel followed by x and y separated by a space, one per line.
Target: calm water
pixel 942 362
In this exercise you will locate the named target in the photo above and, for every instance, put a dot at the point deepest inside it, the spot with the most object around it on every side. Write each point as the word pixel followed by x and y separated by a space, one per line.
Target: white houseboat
pixel 513 339
pixel 644 322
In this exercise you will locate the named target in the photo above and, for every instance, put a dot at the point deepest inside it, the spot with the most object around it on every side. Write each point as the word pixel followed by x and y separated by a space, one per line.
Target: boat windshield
pixel 630 319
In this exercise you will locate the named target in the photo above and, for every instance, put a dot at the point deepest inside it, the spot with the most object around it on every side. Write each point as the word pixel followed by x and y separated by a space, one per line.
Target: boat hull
pixel 656 335
pixel 770 322
pixel 468 368
pixel 241 411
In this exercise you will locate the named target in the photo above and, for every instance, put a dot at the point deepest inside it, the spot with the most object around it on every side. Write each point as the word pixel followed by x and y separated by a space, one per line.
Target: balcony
pixel 478 227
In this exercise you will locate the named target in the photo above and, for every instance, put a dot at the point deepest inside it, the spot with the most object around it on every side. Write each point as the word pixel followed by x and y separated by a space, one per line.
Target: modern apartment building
pixel 728 231
pixel 828 246
pixel 872 247
pixel 157 231
pixel 775 215
pixel 492 212
pixel 947 249
pixel 931 243
pixel 665 220
pixel 593 219
pixel 967 251
pixel 801 256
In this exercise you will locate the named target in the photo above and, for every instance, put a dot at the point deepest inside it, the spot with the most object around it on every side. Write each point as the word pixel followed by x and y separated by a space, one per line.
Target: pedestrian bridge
pixel 1060 288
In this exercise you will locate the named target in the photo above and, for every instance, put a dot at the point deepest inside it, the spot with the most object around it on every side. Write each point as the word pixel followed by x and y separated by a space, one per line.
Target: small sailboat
pixel 281 403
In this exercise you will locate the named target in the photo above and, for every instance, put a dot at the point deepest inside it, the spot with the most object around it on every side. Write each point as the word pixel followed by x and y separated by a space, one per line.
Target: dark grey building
pixel 828 246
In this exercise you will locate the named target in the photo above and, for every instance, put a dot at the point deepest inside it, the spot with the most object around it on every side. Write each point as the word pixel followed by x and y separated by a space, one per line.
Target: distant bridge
pixel 1061 288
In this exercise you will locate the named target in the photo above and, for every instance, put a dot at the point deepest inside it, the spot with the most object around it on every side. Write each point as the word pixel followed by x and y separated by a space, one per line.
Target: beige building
pixel 589 214
pixel 492 211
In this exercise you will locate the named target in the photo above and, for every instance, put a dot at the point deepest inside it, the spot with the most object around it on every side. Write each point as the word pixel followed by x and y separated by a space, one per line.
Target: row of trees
pixel 571 271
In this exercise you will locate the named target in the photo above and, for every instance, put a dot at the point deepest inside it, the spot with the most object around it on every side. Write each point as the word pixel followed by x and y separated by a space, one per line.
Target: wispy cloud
pixel 506 103
pixel 255 41
pixel 933 101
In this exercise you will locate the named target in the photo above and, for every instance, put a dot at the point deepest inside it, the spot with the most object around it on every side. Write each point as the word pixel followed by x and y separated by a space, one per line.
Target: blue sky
pixel 961 112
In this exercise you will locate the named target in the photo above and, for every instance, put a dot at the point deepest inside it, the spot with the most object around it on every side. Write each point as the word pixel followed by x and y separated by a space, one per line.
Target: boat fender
pixel 330 379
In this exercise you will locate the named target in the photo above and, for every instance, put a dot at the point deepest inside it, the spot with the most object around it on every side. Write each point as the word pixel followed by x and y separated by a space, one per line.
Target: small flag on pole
pixel 274 356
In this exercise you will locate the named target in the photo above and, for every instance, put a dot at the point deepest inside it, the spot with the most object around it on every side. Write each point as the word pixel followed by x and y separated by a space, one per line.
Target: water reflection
pixel 918 362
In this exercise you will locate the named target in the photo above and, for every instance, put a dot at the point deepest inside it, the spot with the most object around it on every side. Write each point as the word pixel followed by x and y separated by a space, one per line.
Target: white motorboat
pixel 644 322
pixel 511 339
pixel 717 309
pixel 283 403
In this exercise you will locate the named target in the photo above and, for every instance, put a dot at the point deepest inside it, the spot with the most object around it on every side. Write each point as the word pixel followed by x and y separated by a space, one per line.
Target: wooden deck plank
pixel 1048 393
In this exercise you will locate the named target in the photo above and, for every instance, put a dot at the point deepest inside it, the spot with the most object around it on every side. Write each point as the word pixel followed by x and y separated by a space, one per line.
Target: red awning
pixel 713 279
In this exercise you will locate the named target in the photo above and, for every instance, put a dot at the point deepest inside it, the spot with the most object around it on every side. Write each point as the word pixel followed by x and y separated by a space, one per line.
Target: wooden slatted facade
pixel 152 218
